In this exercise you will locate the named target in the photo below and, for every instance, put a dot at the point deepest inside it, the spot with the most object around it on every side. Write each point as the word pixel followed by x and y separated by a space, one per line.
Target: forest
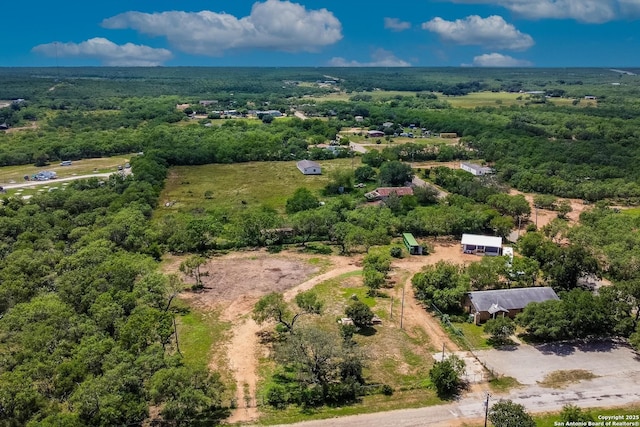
pixel 87 321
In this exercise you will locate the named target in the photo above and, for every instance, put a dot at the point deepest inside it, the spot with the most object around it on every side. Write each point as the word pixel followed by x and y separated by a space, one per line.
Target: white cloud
pixel 109 53
pixel 498 60
pixel 272 25
pixel 493 32
pixel 395 24
pixel 379 58
pixel 589 11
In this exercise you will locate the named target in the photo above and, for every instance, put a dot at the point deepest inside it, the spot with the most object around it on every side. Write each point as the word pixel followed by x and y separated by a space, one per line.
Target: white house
pixel 307 167
pixel 475 169
pixel 477 244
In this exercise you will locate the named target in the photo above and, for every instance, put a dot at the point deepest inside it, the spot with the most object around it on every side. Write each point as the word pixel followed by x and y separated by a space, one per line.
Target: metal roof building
pixel 477 244
pixel 307 167
pixel 484 305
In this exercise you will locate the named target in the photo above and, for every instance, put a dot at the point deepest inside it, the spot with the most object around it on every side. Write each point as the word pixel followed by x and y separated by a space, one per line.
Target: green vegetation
pixel 241 186
pixel 89 325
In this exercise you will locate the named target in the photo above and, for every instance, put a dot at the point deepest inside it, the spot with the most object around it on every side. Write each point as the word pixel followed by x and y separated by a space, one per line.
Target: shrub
pixel 318 248
pixel 277 396
pixel 396 252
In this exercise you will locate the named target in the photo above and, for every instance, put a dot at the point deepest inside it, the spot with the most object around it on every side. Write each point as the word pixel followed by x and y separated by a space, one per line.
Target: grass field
pixel 242 185
pixel 202 338
pixel 472 100
pixel 78 167
pixel 493 99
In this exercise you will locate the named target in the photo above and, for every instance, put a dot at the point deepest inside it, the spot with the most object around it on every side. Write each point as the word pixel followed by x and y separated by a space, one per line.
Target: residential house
pixel 375 134
pixel 307 167
pixel 485 305
pixel 485 245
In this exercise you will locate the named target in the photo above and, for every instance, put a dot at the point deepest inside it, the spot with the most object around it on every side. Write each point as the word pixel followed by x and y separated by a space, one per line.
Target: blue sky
pixel 426 33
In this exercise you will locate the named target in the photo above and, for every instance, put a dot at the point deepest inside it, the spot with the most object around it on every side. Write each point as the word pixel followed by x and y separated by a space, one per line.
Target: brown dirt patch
pixel 243 276
pixel 544 217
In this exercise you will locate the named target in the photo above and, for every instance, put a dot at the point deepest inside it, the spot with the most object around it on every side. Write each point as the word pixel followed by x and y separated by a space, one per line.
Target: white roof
pixel 477 240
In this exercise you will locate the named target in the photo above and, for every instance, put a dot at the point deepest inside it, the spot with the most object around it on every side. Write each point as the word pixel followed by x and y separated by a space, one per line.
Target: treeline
pixel 87 331
pixel 233 141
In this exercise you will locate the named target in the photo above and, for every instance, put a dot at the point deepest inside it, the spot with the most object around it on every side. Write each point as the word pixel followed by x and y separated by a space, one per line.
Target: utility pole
pixel 486 409
pixel 402 309
pixel 391 310
pixel 443 349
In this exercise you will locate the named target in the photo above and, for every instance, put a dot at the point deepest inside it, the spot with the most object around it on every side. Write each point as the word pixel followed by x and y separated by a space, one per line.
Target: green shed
pixel 412 245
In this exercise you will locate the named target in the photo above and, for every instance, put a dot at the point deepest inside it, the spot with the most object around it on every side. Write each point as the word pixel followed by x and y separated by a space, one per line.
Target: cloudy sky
pixel 481 33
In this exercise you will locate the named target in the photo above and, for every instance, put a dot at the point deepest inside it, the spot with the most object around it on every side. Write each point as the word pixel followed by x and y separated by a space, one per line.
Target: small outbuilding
pixel 307 167
pixel 482 245
pixel 475 169
pixel 412 245
pixel 485 305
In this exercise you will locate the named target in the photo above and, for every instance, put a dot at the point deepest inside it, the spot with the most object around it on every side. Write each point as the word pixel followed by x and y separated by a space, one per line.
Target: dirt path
pixel 415 314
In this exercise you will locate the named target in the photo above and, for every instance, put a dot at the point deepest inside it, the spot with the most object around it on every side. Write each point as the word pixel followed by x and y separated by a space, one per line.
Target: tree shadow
pixel 367 331
pixel 503 344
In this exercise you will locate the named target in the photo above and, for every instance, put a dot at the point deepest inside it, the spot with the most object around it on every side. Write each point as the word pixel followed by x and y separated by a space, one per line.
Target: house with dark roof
pixel 382 193
pixel 307 167
pixel 485 305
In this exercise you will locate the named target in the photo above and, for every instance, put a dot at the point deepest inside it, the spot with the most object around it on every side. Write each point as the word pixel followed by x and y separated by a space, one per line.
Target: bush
pixel 445 376
pixel 396 252
pixel 360 313
pixel 387 390
pixel 277 396
pixel 318 248
pixel 274 249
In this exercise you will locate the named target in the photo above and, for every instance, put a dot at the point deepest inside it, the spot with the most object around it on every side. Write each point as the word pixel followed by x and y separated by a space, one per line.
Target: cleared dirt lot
pixel 530 364
pixel 251 274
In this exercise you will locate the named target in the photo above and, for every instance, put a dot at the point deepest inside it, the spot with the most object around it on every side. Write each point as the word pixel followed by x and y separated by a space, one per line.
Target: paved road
pixel 422 183
pixel 536 399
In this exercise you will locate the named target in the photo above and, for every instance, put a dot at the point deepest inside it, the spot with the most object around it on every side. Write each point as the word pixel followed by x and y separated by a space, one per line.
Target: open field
pixel 242 185
pixel 472 100
pixel 78 167
pixel 494 99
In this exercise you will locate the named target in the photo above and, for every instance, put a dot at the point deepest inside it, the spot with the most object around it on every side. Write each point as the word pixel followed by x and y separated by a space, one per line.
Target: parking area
pixel 530 364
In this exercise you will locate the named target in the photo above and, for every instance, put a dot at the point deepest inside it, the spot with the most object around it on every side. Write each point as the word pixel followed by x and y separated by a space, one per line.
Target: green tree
pixel 273 307
pixel 341 181
pixel 442 284
pixel 365 173
pixel 327 369
pixel 563 208
pixel 505 413
pixel 302 200
pixel 316 223
pixel 360 313
pixel 192 268
pixel 395 173
pixel 186 394
pixel 373 280
pixel 500 329
pixel 446 376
